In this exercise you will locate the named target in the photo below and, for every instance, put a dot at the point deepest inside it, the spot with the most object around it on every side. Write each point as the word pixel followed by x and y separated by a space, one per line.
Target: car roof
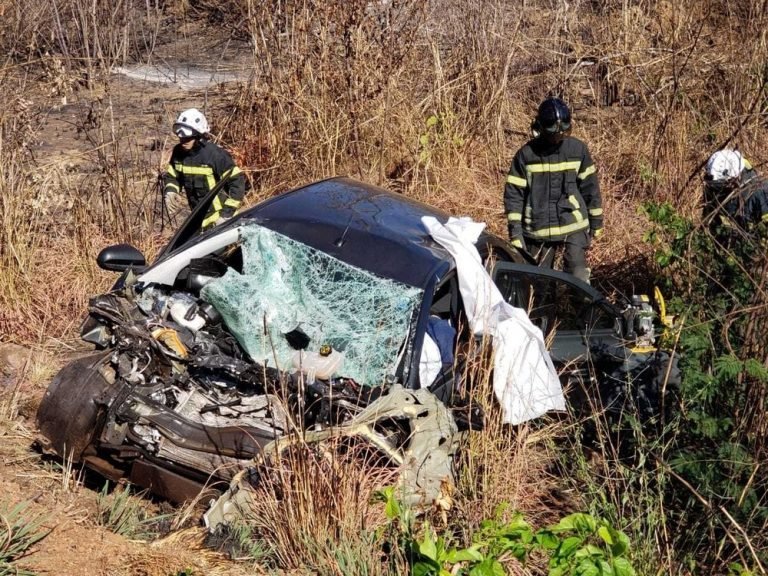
pixel 360 224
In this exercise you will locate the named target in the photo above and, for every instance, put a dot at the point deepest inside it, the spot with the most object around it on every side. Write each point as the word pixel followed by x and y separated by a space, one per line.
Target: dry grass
pixel 184 550
pixel 504 469
pixel 653 89
pixel 430 99
pixel 400 95
pixel 316 510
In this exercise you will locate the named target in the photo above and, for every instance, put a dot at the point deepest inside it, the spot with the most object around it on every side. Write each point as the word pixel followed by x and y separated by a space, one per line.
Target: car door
pixel 570 313
pixel 191 227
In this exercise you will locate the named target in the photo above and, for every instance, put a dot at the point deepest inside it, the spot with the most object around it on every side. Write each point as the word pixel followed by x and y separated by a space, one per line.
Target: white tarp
pixel 524 380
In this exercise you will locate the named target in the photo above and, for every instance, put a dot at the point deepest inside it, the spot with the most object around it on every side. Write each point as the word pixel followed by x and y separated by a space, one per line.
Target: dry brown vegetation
pixel 427 97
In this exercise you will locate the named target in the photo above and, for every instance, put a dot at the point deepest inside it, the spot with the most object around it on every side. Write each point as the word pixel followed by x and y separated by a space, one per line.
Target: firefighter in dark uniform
pixel 736 198
pixel 197 165
pixel 552 197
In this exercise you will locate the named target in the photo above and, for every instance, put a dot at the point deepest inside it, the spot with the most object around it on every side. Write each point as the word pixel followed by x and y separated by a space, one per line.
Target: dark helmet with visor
pixel 553 119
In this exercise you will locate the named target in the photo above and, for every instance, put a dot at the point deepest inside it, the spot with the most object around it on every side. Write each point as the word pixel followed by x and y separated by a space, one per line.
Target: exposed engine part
pixel 176 389
pixel 639 317
pixel 426 460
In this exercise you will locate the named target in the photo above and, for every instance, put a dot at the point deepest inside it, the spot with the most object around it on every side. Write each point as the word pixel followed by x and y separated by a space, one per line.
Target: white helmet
pixel 191 122
pixel 723 167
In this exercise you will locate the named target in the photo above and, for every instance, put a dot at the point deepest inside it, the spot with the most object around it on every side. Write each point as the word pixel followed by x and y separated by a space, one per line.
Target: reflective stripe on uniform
pixel 588 172
pixel 231 173
pixel 211 219
pixel 171 171
pixel 232 203
pixel 575 203
pixel 172 186
pixel 517 181
pixel 516 242
pixel 558 230
pixel 597 232
pixel 217 205
pixel 595 211
pixel 195 170
pixel 764 218
pixel 514 216
pixel 206 171
pixel 557 167
pixel 747 164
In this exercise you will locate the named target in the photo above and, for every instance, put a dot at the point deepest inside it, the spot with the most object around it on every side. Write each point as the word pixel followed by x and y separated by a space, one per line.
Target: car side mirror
pixel 120 257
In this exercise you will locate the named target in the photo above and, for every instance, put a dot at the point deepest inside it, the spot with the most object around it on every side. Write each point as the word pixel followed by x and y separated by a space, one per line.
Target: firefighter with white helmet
pixel 189 123
pixel 197 165
pixel 736 198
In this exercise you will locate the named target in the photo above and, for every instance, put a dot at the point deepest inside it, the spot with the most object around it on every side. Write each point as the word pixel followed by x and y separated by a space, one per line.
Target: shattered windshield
pixel 290 293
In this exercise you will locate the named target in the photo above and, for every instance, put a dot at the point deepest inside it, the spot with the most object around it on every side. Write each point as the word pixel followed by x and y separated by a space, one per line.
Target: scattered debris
pixel 426 461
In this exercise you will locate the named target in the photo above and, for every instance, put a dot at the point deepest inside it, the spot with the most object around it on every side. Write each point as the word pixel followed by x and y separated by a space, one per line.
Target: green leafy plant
pixel 19 532
pixel 125 514
pixel 578 545
pixel 582 545
pixel 737 569
pixel 718 273
pixel 439 133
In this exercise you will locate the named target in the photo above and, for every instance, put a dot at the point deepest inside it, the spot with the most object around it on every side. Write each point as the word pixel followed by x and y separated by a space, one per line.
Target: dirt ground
pixel 73 129
pixel 65 501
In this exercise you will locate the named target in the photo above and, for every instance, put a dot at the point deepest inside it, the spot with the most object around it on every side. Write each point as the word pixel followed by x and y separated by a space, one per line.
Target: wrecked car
pixel 310 314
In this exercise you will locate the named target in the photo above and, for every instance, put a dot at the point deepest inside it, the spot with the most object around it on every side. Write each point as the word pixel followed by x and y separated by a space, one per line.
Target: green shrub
pixel 19 532
pixel 578 545
pixel 718 277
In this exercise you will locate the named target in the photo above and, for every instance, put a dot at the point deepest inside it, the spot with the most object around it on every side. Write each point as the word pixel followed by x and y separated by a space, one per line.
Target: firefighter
pixel 552 197
pixel 736 198
pixel 197 165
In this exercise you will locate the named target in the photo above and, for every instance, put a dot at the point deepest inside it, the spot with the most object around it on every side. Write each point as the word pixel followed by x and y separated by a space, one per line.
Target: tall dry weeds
pixel 655 89
pixel 77 40
pixel 315 510
pixel 54 221
pixel 429 98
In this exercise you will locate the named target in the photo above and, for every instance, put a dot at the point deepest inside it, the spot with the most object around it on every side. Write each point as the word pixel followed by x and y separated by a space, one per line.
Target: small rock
pixel 13 357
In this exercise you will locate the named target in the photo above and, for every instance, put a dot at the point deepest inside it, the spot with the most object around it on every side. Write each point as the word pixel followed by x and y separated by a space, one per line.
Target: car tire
pixel 69 413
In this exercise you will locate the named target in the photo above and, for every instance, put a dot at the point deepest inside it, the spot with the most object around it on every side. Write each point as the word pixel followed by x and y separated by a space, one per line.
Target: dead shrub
pixel 315 509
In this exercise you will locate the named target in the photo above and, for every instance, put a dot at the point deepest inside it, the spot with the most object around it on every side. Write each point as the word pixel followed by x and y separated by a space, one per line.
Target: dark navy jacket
pixel 552 191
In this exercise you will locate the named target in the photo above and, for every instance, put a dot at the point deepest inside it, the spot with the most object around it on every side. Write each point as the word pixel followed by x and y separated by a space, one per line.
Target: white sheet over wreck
pixel 524 379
